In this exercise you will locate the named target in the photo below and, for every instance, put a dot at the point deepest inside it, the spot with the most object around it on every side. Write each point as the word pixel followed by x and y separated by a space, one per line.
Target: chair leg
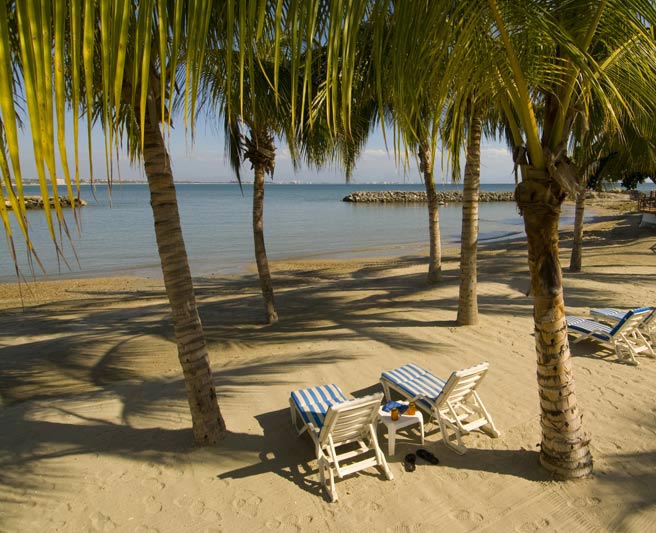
pixel 629 357
pixel 380 456
pixel 644 342
pixel 292 411
pixel 386 390
pixel 332 492
pixel 488 428
pixel 459 448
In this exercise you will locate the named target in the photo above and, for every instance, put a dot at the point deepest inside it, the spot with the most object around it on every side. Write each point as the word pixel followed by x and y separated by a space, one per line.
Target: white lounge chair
pixel 613 316
pixel 333 422
pixel 453 403
pixel 624 337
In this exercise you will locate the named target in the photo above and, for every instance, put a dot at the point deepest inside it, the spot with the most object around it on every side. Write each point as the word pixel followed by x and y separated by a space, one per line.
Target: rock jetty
pixel 36 202
pixel 443 197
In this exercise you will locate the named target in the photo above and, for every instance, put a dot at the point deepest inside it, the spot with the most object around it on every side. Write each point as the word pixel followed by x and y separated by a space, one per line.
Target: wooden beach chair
pixel 625 337
pixel 454 403
pixel 612 316
pixel 343 431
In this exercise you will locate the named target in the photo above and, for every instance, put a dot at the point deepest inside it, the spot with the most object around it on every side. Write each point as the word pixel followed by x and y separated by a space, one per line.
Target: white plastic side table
pixel 403 421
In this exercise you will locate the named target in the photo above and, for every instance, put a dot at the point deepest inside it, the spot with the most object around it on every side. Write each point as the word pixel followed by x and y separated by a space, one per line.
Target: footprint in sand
pixel 183 501
pixel 197 508
pixel 290 521
pixel 585 501
pixel 109 477
pixel 458 476
pixel 146 529
pixel 102 522
pixel 467 516
pixel 527 527
pixel 153 484
pixel 151 468
pixel 247 503
pixel 404 528
pixel 152 505
pixel 274 523
pixel 210 515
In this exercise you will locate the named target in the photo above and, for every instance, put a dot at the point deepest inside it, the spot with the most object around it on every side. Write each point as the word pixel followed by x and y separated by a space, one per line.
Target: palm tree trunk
pixel 260 250
pixel 577 242
pixel 435 260
pixel 564 448
pixel 468 298
pixel 208 424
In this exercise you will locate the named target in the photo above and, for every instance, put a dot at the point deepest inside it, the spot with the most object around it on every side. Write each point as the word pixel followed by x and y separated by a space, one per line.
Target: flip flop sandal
pixel 427 456
pixel 409 462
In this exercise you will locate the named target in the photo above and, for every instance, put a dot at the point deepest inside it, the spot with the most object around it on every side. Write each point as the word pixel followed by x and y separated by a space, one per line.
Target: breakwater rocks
pixel 36 202
pixel 443 197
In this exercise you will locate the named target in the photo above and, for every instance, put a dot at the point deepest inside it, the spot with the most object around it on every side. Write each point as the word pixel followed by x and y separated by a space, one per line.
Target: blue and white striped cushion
pixel 583 325
pixel 609 312
pixel 416 381
pixel 314 402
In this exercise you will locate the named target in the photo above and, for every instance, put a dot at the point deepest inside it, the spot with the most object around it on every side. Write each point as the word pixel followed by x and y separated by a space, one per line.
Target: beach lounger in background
pixel 613 316
pixel 624 337
pixel 335 422
pixel 453 403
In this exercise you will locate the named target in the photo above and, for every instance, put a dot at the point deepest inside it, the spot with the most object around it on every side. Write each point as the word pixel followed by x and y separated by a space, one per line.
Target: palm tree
pixel 112 60
pixel 468 297
pixel 122 57
pixel 540 62
pixel 601 156
pixel 426 163
pixel 208 424
pixel 250 131
pixel 547 178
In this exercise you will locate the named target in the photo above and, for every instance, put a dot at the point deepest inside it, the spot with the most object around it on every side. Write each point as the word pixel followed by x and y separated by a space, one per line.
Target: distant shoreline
pixel 101 183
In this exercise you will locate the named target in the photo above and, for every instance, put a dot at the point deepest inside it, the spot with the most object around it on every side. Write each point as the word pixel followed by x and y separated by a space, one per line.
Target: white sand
pixel 95 428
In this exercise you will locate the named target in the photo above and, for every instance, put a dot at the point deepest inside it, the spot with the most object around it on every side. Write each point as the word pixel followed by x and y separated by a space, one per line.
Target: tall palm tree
pixel 468 296
pixel 249 132
pixel 111 60
pixel 426 164
pixel 193 354
pixel 541 64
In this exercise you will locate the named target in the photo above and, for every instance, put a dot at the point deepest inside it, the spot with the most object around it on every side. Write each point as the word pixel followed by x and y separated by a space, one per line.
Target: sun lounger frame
pixel 454 404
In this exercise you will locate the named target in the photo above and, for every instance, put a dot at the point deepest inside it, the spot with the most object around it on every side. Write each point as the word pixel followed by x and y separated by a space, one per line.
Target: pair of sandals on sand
pixel 409 463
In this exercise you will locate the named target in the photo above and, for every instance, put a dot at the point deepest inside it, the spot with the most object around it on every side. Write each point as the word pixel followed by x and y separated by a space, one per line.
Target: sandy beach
pixel 96 430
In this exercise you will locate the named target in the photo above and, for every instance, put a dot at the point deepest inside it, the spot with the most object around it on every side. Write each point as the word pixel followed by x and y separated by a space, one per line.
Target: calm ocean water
pixel 301 221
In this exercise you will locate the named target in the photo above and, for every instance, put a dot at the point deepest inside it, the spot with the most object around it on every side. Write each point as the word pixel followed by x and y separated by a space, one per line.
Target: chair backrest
pixel 349 420
pixel 631 320
pixel 462 383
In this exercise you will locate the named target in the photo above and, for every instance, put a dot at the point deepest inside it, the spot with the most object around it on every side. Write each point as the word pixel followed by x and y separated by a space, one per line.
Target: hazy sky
pixel 205 161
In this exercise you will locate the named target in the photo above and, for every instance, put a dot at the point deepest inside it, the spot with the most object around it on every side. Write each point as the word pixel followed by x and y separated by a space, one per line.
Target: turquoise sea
pixel 301 221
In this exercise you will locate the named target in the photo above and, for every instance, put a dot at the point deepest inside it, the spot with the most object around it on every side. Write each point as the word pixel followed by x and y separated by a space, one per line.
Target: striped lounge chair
pixel 625 337
pixel 454 403
pixel 335 423
pixel 613 316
